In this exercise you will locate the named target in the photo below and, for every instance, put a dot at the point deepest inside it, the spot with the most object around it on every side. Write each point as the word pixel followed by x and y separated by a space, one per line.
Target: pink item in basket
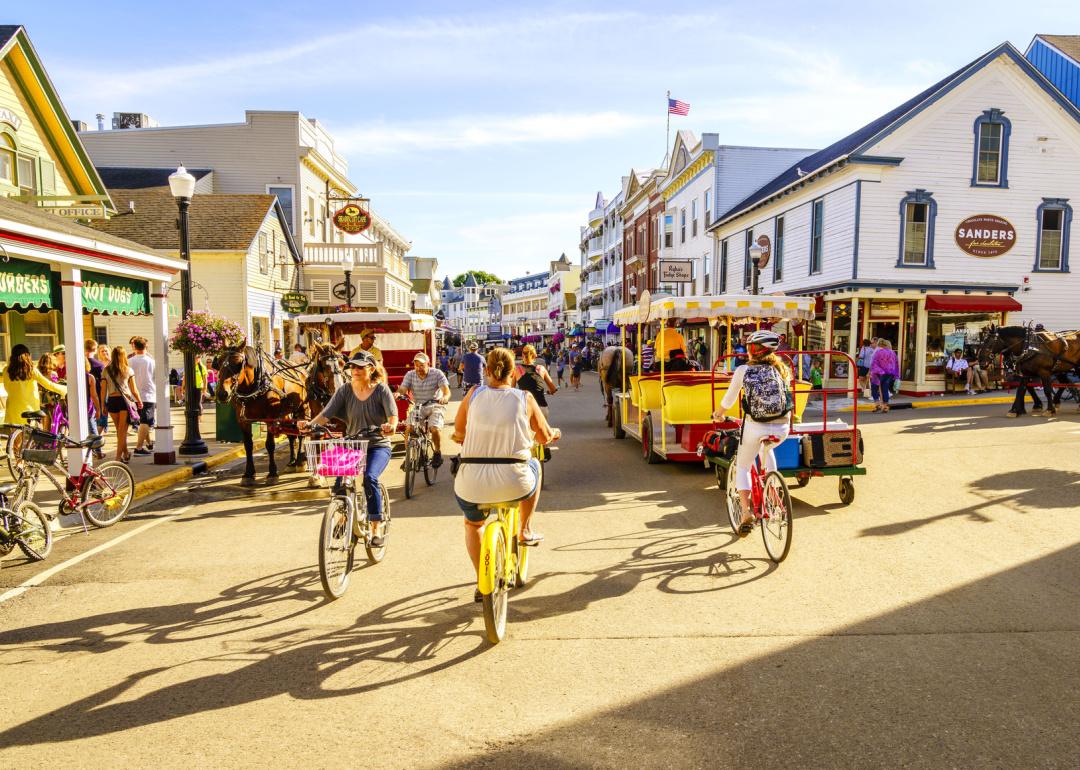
pixel 339 461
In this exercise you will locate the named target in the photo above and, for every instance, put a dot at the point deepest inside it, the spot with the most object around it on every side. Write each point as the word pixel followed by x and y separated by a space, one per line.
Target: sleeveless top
pixel 532 382
pixel 498 426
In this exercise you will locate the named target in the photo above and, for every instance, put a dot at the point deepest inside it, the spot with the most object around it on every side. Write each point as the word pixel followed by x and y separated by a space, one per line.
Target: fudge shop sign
pixel 985 235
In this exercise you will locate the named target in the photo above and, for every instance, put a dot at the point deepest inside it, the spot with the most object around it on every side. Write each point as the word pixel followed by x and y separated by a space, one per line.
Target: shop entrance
pixel 889 330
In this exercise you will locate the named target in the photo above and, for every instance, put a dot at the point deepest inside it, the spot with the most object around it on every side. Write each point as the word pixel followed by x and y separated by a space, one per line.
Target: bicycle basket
pixel 337 457
pixel 40 447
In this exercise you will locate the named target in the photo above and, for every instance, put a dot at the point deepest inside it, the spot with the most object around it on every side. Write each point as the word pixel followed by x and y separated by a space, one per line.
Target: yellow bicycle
pixel 504 564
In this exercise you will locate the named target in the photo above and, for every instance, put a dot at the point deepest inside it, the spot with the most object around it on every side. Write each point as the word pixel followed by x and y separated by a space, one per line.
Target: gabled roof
pixel 1067 44
pixel 217 222
pixel 470 280
pixel 852 145
pixel 130 178
pixel 685 141
pixel 50 114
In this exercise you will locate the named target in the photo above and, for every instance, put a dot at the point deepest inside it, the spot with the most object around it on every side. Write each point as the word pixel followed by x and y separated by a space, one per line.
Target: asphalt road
pixel 933 623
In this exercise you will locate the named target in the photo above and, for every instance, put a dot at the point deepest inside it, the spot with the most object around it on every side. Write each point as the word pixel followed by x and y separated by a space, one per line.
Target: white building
pixel 526 305
pixel 290 156
pixel 948 213
pixel 602 262
pixel 427 297
pixel 469 309
pixel 564 292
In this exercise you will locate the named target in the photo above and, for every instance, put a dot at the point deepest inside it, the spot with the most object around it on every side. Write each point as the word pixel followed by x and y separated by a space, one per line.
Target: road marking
pixel 41 577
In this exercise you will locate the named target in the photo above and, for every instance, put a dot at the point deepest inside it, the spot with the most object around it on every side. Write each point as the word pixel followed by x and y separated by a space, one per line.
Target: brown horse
pixel 278 400
pixel 613 362
pixel 1032 354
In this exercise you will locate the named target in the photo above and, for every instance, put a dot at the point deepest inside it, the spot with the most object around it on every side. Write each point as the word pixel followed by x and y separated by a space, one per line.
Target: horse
pixel 1032 353
pixel 255 397
pixel 613 361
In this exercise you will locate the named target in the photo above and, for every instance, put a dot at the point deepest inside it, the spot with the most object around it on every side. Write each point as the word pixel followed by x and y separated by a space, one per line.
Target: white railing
pixel 364 255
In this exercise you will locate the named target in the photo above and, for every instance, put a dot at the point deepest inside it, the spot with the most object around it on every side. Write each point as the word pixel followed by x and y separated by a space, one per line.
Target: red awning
pixel 972 303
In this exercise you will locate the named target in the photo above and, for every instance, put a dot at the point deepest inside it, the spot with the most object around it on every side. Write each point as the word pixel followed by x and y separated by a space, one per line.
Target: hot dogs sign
pixel 985 235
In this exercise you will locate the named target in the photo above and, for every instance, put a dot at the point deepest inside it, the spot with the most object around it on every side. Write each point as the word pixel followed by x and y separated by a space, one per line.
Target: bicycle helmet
pixel 765 339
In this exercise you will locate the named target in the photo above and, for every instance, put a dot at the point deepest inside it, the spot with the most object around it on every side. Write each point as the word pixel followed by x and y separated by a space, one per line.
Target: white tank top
pixel 498 426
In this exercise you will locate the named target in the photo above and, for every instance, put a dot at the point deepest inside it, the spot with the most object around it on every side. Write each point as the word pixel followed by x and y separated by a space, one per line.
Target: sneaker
pixel 971 392
pixel 142 452
pixel 436 460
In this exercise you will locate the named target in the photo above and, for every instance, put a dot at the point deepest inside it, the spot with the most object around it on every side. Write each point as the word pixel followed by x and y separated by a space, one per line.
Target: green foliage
pixel 482 278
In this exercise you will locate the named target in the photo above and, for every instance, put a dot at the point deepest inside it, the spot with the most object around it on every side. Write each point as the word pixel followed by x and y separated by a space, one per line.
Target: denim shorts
pixel 472 510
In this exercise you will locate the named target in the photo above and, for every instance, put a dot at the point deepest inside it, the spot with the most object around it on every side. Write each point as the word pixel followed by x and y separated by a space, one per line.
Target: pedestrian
pixel 211 378
pixel 103 354
pixel 956 371
pixel 884 369
pixel 60 361
pixel 174 384
pixel 575 367
pixel 120 396
pixel 648 354
pixel 23 383
pixel 456 361
pixel 298 356
pixel 862 363
pixel 143 367
pixel 560 366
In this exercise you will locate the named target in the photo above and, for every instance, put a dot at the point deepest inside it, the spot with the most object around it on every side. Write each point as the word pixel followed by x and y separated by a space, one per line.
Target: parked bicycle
pixel 347 520
pixel 24 525
pixel 419 449
pixel 101 495
pixel 17 435
pixel 770 503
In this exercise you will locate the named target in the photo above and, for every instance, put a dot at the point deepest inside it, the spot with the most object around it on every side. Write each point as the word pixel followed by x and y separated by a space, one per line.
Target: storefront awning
pixel 971 303
pixel 112 294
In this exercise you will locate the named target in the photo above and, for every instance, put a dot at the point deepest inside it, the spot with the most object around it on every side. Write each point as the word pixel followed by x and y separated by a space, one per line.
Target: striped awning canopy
pixel 734 306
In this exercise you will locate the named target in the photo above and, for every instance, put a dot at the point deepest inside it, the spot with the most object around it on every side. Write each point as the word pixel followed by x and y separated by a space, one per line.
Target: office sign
pixel 82 211
pixel 985 235
pixel 352 219
pixel 676 271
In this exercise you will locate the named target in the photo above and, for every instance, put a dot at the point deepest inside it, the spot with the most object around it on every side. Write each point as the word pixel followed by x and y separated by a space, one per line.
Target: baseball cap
pixel 361 358
pixel 59 349
pixel 472 345
pixel 422 357
pixel 367 333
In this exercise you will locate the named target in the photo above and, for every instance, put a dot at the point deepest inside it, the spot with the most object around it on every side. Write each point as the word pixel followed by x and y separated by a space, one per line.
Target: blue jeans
pixel 378 457
pixel 882 390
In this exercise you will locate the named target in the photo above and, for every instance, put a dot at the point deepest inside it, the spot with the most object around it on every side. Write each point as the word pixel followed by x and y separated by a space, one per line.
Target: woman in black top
pixel 534 378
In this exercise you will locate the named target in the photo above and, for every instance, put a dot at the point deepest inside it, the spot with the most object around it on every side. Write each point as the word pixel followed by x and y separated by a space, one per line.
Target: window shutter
pixel 47 177
pixel 320 291
pixel 367 292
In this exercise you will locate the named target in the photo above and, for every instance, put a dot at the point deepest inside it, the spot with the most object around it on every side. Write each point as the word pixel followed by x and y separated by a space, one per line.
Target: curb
pixel 869 407
pixel 176 475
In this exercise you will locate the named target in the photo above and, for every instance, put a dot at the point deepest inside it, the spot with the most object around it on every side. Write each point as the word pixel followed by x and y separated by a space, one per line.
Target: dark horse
pixel 300 391
pixel 613 362
pixel 1032 355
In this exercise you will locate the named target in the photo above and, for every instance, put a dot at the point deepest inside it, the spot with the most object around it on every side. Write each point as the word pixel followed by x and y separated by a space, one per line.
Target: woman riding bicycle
pixel 366 402
pixel 495 426
pixel 534 378
pixel 765 386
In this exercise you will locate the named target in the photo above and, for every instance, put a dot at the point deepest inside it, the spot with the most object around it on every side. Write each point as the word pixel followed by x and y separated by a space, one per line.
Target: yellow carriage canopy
pixel 737 307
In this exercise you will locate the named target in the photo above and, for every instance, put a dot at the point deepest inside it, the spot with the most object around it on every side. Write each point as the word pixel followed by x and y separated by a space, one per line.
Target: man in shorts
pixel 472 367
pixel 425 383
pixel 142 365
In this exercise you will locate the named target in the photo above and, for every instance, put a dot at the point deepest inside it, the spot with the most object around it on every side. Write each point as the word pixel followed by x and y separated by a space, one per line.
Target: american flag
pixel 675 107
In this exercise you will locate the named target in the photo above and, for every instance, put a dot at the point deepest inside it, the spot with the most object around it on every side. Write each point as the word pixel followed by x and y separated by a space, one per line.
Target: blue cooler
pixel 787 454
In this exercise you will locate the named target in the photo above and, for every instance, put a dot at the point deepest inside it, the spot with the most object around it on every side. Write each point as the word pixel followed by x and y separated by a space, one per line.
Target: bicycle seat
pixel 7 489
pixel 90 442
pixel 34 415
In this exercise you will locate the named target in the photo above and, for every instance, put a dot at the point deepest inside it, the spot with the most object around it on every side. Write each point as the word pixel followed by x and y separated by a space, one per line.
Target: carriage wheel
pixel 847 490
pixel 616 422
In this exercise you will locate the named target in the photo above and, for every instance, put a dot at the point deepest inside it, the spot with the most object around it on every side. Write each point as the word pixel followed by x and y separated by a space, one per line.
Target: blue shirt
pixel 473 364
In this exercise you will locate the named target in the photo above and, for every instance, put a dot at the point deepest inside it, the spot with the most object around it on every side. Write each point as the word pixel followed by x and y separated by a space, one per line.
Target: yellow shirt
pixel 24 396
pixel 668 340
pixel 373 350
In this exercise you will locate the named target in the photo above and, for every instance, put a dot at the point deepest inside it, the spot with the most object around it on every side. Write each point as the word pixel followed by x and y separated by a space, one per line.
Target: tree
pixel 481 278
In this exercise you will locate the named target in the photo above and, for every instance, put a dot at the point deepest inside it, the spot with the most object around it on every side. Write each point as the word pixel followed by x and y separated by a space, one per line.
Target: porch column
pixel 921 331
pixel 853 341
pixel 72 306
pixel 164 453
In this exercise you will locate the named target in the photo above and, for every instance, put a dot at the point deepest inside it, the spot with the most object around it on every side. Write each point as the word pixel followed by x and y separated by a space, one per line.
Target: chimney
pixel 79 125
pixel 100 121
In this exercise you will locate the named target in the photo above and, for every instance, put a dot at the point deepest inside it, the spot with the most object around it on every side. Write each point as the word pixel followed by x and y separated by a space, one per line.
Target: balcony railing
pixel 363 255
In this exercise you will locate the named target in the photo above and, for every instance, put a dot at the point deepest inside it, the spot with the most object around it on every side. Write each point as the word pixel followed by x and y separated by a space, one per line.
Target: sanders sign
pixel 985 235
pixel 352 219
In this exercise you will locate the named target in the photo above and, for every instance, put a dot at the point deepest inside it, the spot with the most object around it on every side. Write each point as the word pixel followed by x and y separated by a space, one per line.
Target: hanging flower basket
pixel 557 337
pixel 202 333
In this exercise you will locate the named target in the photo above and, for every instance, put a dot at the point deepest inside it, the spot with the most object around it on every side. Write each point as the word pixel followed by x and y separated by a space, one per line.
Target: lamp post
pixel 182 185
pixel 755 259
pixel 346 289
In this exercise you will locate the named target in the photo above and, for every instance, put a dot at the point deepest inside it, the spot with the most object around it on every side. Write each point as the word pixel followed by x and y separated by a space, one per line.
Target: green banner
pixel 112 294
pixel 25 283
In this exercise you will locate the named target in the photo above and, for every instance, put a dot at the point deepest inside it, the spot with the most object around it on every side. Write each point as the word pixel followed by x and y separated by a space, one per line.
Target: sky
pixel 483 131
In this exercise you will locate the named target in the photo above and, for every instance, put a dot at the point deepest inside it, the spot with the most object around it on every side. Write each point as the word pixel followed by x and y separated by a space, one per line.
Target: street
pixel 934 622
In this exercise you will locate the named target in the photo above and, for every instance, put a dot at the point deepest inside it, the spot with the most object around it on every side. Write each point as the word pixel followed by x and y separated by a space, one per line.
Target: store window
pixel 778 252
pixel 28 182
pixel 39 331
pixel 7 159
pixel 991 161
pixel 947 332
pixel 285 198
pixel 841 334
pixel 1055 222
pixel 907 358
pixel 817 235
pixel 918 214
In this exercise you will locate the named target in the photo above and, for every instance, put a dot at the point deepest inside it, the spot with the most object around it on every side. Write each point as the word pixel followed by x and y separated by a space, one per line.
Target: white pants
pixel 753 435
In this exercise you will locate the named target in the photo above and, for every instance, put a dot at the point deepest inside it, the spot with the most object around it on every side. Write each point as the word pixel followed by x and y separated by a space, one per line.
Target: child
pixel 816 380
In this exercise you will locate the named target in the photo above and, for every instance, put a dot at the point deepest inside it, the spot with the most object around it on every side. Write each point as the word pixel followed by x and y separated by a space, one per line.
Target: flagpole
pixel 667 109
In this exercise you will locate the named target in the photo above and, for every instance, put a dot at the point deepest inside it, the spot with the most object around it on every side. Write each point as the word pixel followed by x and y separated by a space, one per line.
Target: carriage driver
pixel 424 383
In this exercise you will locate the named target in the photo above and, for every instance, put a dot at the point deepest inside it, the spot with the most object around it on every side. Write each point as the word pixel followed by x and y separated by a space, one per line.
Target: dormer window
pixel 991 162
pixel 7 159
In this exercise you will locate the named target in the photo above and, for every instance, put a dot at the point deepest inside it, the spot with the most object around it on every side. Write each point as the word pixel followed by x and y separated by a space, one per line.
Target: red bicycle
pixel 770 503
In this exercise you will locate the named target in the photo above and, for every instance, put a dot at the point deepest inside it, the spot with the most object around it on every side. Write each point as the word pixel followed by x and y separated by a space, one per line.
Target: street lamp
pixel 182 185
pixel 755 259
pixel 346 290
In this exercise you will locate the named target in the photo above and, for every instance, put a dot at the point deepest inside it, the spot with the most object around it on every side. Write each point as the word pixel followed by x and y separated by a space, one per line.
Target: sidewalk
pixel 919 402
pixel 151 478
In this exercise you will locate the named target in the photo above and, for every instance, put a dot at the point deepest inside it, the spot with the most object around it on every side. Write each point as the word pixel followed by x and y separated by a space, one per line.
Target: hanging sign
pixel 766 250
pixel 294 302
pixel 112 294
pixel 676 271
pixel 28 284
pixel 985 235
pixel 352 219
pixel 81 211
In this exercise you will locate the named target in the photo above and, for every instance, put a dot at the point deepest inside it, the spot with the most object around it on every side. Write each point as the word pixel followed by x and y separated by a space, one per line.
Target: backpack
pixel 531 382
pixel 766 396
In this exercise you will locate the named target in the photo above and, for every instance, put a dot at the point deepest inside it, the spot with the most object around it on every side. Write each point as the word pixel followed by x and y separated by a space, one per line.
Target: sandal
pixel 746 527
pixel 478 597
pixel 533 538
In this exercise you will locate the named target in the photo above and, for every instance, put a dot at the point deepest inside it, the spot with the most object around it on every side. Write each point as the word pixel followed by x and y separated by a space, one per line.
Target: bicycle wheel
pixel 430 471
pixel 107 497
pixel 776 524
pixel 14 453
pixel 376 555
pixel 24 490
pixel 35 536
pixel 495 602
pixel 336 547
pixel 731 497
pixel 412 459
